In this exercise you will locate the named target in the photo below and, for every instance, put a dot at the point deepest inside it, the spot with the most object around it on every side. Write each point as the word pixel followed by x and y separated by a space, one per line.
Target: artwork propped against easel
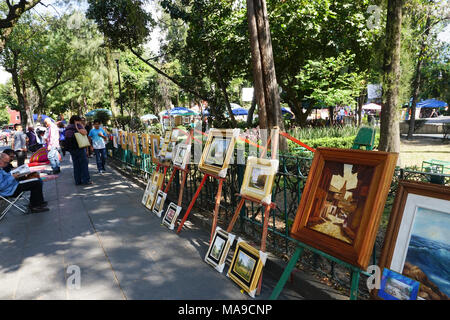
pixel 258 179
pixel 218 152
pixel 123 140
pixel 182 156
pixel 145 144
pixel 158 207
pixel 219 248
pixel 146 193
pixel 342 202
pixel 156 182
pixel 246 266
pixel 170 218
pixel 134 144
pixel 154 142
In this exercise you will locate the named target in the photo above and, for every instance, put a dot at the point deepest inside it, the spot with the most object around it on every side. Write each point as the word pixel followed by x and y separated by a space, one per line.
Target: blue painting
pixel 428 255
pixel 395 286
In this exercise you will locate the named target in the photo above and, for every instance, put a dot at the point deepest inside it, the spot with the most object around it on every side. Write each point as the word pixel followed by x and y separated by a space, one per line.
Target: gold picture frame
pixel 134 140
pixel 154 143
pixel 145 144
pixel 156 183
pixel 182 156
pixel 158 206
pixel 246 266
pixel 124 140
pixel 218 151
pixel 258 178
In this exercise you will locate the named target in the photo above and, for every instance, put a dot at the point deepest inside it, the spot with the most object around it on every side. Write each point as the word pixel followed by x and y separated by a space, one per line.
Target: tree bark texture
pixel 389 124
pixel 266 86
pixel 110 67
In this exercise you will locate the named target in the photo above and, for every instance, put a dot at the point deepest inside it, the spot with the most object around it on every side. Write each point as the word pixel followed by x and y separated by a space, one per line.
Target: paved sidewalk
pixel 121 248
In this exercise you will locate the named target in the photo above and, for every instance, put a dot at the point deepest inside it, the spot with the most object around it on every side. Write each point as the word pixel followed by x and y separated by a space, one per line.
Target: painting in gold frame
pixel 123 140
pixel 218 151
pixel 246 266
pixel 258 179
pixel 134 140
pixel 156 183
pixel 145 144
pixel 154 143
pixel 342 202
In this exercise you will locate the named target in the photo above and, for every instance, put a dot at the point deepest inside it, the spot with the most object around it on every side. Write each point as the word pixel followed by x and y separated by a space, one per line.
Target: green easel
pixel 365 137
pixel 355 272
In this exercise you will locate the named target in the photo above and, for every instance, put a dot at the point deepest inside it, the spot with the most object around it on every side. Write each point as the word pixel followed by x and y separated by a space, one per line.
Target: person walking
pixel 52 145
pixel 79 156
pixel 99 138
pixel 33 144
pixel 19 144
pixel 62 137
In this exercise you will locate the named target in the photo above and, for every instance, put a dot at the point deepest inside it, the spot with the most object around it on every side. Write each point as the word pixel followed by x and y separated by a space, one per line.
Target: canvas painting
pixel 158 207
pixel 417 241
pixel 217 151
pixel 182 156
pixel 219 248
pixel 340 200
pixel 258 178
pixel 155 141
pixel 145 144
pixel 171 215
pixel 395 286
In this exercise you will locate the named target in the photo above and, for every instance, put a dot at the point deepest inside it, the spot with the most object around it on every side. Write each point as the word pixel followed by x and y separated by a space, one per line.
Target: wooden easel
pixel 216 208
pixel 185 172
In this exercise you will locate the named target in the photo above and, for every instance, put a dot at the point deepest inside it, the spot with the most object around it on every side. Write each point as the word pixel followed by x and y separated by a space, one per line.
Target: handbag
pixel 82 140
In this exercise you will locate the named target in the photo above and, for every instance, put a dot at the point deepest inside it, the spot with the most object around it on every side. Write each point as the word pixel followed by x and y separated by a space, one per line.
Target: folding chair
pixel 13 202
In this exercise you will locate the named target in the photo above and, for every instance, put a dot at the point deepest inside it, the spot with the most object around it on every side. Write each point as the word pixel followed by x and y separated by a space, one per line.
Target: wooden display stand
pixel 185 172
pixel 268 207
pixel 216 208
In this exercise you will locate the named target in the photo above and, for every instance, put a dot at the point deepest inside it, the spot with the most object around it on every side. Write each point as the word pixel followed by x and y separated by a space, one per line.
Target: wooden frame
pixel 246 274
pixel 124 140
pixel 145 144
pixel 419 220
pixel 135 144
pixel 146 193
pixel 156 183
pixel 154 143
pixel 219 248
pixel 342 202
pixel 158 206
pixel 182 156
pixel 167 135
pixel 216 163
pixel 258 178
pixel 170 218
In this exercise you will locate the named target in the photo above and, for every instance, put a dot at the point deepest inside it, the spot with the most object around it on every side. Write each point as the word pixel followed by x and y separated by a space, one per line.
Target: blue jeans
pixel 100 156
pixel 80 166
pixel 53 157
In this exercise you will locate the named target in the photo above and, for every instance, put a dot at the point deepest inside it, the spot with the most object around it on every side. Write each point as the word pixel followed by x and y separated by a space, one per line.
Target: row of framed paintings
pixel 247 263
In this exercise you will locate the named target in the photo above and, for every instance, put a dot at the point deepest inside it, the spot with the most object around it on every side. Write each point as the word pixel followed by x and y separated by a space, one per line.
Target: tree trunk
pixel 260 33
pixel 360 105
pixel 416 82
pixel 28 111
pixel 110 67
pixel 223 87
pixel 389 124
pixel 251 111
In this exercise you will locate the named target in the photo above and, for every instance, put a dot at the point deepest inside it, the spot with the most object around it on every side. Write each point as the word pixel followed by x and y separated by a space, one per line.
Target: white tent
pixel 371 106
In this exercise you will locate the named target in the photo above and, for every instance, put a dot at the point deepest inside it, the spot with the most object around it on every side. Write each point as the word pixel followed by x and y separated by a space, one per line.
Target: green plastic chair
pixel 365 137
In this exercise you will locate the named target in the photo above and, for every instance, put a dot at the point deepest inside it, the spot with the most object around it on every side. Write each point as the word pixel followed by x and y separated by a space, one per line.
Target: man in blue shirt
pixel 99 138
pixel 9 186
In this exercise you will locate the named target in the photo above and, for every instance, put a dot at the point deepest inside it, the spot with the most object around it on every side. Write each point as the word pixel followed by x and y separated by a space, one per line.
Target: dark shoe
pixel 39 209
pixel 40 205
pixel 87 184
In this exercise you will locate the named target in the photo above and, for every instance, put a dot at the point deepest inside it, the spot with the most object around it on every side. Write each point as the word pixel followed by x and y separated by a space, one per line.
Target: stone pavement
pixel 121 249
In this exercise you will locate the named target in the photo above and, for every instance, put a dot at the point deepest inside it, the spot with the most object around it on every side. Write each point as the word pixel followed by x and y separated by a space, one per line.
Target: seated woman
pixel 11 187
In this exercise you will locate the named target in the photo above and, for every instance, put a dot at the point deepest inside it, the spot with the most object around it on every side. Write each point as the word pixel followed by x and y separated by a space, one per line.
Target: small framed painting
pixel 182 156
pixel 395 286
pixel 219 248
pixel 158 207
pixel 156 183
pixel 258 179
pixel 124 140
pixel 218 151
pixel 246 266
pixel 115 136
pixel 135 144
pixel 146 193
pixel 154 142
pixel 167 136
pixel 170 218
pixel 417 242
pixel 145 144
pixel 342 202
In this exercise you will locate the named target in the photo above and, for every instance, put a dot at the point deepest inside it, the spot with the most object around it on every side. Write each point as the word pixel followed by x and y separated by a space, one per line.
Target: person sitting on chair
pixel 11 154
pixel 11 187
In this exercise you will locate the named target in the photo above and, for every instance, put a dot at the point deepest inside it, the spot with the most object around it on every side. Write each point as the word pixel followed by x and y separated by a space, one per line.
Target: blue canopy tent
pixel 432 103
pixel 42 116
pixel 287 113
pixel 179 111
pixel 240 112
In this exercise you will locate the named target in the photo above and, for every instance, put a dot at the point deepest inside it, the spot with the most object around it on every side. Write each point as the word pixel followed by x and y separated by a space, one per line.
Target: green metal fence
pixel 287 191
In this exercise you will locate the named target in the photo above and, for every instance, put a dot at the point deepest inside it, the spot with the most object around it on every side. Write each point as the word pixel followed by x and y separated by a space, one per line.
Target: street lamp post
pixel 116 56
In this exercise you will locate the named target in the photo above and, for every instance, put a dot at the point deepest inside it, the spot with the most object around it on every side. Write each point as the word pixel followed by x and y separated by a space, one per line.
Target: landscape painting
pixel 217 151
pixel 338 204
pixel 217 248
pixel 244 266
pixel 428 254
